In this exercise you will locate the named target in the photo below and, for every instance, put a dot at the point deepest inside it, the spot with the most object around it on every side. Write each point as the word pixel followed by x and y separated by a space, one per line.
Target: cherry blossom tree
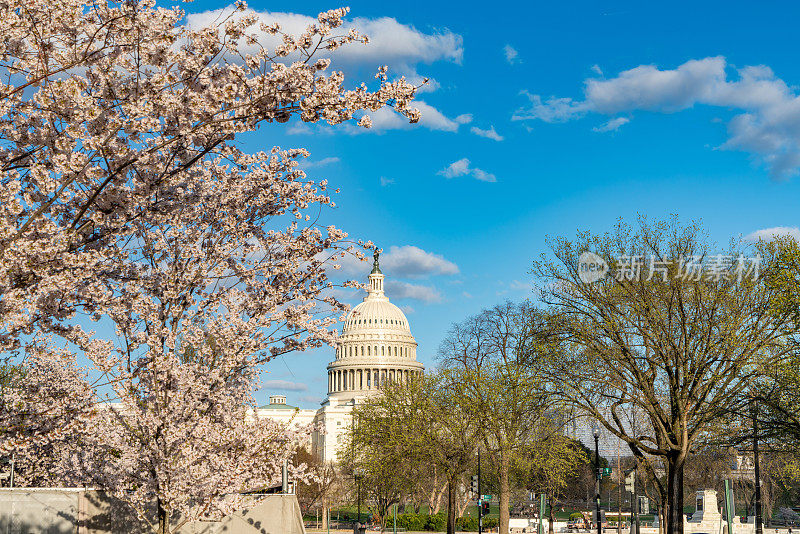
pixel 113 110
pixel 203 302
pixel 126 201
pixel 44 402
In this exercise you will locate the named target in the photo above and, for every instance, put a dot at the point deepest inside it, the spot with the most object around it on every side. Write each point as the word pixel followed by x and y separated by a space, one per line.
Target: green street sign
pixel 487 497
pixel 606 471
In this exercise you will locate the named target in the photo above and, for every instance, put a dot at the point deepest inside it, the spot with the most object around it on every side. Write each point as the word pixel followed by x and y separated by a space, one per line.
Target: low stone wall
pixel 71 510
pixel 688 528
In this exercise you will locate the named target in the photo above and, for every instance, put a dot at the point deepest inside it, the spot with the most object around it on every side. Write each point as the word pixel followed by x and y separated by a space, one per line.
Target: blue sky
pixel 570 116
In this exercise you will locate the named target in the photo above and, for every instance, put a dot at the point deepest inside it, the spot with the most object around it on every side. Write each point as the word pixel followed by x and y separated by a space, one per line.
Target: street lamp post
pixel 756 471
pixel 596 434
pixel 358 475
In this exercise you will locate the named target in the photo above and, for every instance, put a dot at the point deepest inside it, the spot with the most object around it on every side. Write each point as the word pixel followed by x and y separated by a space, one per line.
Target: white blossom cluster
pixel 124 198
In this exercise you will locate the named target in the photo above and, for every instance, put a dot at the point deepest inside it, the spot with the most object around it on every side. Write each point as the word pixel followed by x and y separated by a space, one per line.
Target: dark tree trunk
pixel 163 517
pixel 756 473
pixel 451 507
pixel 505 490
pixel 550 519
pixel 673 511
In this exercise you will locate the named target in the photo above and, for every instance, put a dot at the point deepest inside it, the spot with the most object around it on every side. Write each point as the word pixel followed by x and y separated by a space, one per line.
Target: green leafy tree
pixel 492 356
pixel 380 450
pixel 420 426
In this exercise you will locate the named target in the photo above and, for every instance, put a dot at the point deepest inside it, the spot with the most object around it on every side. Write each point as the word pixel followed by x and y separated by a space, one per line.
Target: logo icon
pixel 591 267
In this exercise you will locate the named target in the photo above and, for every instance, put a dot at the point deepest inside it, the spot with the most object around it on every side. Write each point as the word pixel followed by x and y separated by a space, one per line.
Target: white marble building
pixel 375 345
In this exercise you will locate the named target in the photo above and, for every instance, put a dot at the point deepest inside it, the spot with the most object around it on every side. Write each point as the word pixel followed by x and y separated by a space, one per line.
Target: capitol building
pixel 375 346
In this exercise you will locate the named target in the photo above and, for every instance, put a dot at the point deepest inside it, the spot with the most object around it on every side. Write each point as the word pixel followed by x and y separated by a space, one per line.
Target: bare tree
pixel 672 335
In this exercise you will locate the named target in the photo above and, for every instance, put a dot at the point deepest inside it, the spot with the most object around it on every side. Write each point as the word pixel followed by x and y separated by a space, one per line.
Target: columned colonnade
pixel 366 379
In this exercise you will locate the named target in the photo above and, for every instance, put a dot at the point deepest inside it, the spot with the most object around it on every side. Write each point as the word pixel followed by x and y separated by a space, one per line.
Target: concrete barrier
pixel 86 511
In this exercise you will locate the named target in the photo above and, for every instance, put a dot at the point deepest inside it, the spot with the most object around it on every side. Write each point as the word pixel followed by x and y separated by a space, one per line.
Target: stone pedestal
pixel 706 517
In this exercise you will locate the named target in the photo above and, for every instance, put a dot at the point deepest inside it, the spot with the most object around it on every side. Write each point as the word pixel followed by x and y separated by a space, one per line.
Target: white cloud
pixel 409 261
pixel 299 128
pixel 767 124
pixel 428 87
pixel 284 385
pixel 491 133
pixel 597 70
pixel 311 399
pixel 462 168
pixel 400 46
pixel 483 176
pixel 403 290
pixel 455 169
pixel 386 119
pixel 516 285
pixel 552 110
pixel 511 54
pixel 321 163
pixel 386 181
pixel 434 119
pixel 611 126
pixel 345 295
pixel 405 261
pixel 648 88
pixel 408 310
pixel 769 234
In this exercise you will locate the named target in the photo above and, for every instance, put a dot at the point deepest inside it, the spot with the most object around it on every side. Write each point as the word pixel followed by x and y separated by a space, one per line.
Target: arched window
pixel 382 351
pixel 368 351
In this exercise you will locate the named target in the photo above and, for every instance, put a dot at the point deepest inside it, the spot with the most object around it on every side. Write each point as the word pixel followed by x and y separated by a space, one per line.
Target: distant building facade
pixel 375 346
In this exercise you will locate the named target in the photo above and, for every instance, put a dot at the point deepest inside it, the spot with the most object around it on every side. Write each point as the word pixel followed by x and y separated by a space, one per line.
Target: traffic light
pixel 603 472
pixel 484 508
pixel 474 486
pixel 630 480
pixel 644 505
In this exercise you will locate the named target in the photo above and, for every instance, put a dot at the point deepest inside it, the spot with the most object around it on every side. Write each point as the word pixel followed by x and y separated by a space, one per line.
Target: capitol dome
pixel 375 345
